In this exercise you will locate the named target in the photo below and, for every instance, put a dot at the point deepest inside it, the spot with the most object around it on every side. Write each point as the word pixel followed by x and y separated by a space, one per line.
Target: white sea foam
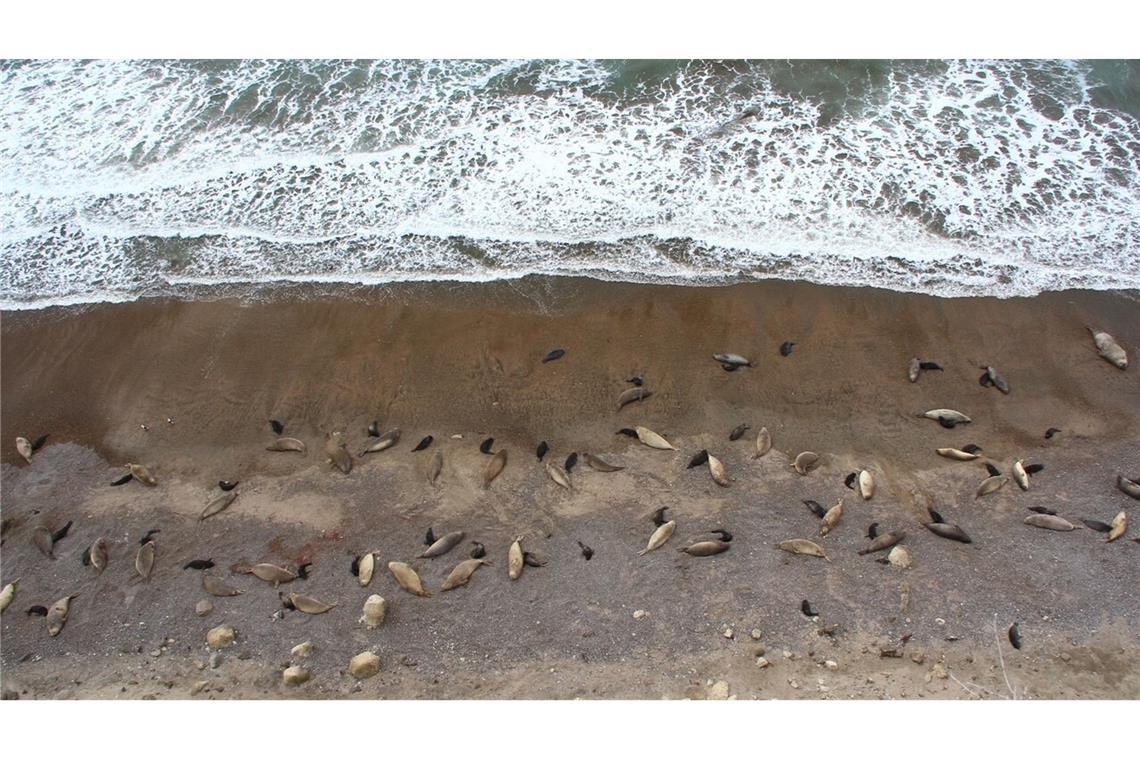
pixel 121 179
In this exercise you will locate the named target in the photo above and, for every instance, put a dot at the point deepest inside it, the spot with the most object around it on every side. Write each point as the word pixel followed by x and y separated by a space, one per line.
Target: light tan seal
pixel 365 568
pixel 407 579
pixel 831 519
pixel 652 440
pixel 309 605
pixel 802 546
pixel 41 537
pixel 24 448
pixel 288 444
pixel 1119 527
pixel 990 484
pixel 97 554
pixel 494 467
pixel 461 573
pixel 763 443
pixel 142 474
pixel 444 544
pixel 215 586
pixel 144 560
pixel 1130 487
pixel 1109 349
pixel 266 571
pixel 559 475
pixel 659 537
pixel 958 454
pixel 1020 476
pixel 515 559
pixel 219 503
pixel 596 463
pixel 716 469
pixel 950 415
pixel 57 615
pixel 435 467
pixel 706 548
pixel 805 462
pixel 1049 522
pixel 866 484
pixel 8 594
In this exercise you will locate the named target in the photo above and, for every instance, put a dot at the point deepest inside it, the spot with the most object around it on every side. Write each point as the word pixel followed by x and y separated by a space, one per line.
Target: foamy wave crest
pixel 122 179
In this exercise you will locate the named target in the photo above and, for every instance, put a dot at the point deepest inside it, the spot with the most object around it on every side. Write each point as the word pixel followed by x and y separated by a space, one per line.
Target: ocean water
pixel 122 179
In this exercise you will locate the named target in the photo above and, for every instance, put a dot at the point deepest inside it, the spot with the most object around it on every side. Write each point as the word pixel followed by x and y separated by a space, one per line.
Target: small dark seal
pixel 971 448
pixel 278 428
pixel 39 442
pixel 38 610
pixel 725 536
pixel 122 480
pixel 479 551
pixel 1097 525
pixel 786 348
pixel 1033 469
pixel 993 471
pixel 557 353
pixel 1051 432
pixel 587 552
pixel 200 564
pixel 532 561
pixel 935 517
pixel 637 379
pixel 1043 510
pixel 374 429
pixel 540 452
pixel 143 541
pixel 423 444
pixel 946 530
pixel 805 607
pixel 849 481
pixel 738 431
pixel 950 424
pixel 698 459
pixel 627 431
pixel 227 485
pixel 60 534
pixel 571 461
pixel 873 531
pixel 486 445
pixel 929 366
pixel 659 517
pixel 815 508
pixel 1015 636
pixel 730 367
pixel 429 537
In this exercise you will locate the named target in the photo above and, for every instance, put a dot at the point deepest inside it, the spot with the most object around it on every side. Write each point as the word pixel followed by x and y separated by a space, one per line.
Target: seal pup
pixel 374 429
pixel 738 432
pixel 444 544
pixel 659 537
pixel 831 519
pixel 8 594
pixel 1119 527
pixel 916 367
pixel 733 360
pixel 287 444
pixel 1109 349
pixel 39 442
pixel 530 560
pixel 479 551
pixel 41 538
pixel 698 459
pixel 637 379
pixel 269 572
pixel 429 537
pixel 24 448
pixel 424 443
pixel 724 534
pixel 407 579
pixel 364 566
pixel 60 534
pixel 435 466
pixel 218 504
pixel 1020 476
pixel 386 441
pixel 1052 432
pixel 494 467
pixel 96 555
pixel 1096 525
pixel 144 560
pixel 485 446
pixel 1014 636
pixel 964 454
pixel 36 610
pixel 122 480
pixel 461 573
pixel 873 531
pixel 815 508
pixel 515 559
pixel 716 469
pixel 215 586
pixel 198 564
pixel 802 546
pixel 571 461
pixel 227 485
pixel 559 475
pixel 866 484
pixel 993 471
pixel 763 443
pixel 652 440
pixel 540 452
pixel 147 536
pixel 142 474
pixel 57 615
pixel 1130 487
pixel 277 427
pixel 587 552
pixel 1049 522
pixel 849 481
pixel 596 463
pixel 631 395
pixel 557 353
pixel 786 348
pixel 991 377
pixel 805 462
pixel 884 541
pixel 990 484
pixel 658 517
pixel 947 418
pixel 706 548
pixel 307 604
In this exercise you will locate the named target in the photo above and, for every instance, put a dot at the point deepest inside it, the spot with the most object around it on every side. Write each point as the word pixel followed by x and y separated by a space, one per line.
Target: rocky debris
pixel 918 656
pixel 215 660
pixel 762 662
pixel 639 614
pixel 375 608
pixel 938 671
pixel 756 634
pixel 197 688
pixel 295 676
pixel 220 637
pixel 203 608
pixel 718 690
pixel 729 633
pixel 364 665
pixel 831 665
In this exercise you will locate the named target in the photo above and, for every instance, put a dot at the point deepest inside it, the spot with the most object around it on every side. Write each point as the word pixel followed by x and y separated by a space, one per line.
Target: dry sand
pixel 466 360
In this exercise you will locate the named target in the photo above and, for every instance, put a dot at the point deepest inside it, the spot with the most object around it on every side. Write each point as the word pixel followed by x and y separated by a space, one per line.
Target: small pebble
pixel 756 634
pixel 639 614
pixel 729 633
pixel 762 662
pixel 220 637
pixel 197 687
pixel 719 690
pixel 203 608
pixel 295 676
pixel 364 665
pixel 831 665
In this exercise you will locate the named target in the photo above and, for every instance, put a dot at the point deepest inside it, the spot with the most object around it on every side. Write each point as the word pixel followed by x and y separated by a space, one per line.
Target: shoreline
pixel 465 360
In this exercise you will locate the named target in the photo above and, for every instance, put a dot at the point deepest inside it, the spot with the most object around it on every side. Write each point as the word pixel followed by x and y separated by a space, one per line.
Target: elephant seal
pixel 365 566
pixel 218 504
pixel 540 452
pixel 1108 348
pixel 215 586
pixel 1130 487
pixel 8 594
pixel 96 554
pixel 57 614
pixel 198 564
pixel 732 360
pixel 992 377
pixel 288 444
pixel 596 463
pixel 866 484
pixel 515 559
pixel 659 537
pixel 444 544
pixel 1119 527
pixel 494 467
pixel 435 466
pixel 142 474
pixel 1049 522
pixel 407 579
pixel 1020 476
pixel 990 484
pixel 763 443
pixel 946 530
pixel 831 519
pixel 386 441
pixel 461 573
pixel 883 541
pixel 716 469
pixel 559 475
pixel 959 454
pixel 805 462
pixel 24 448
pixel 557 353
pixel 424 443
pixel 277 427
pixel 144 560
pixel 947 418
pixel 706 548
pixel 802 546
pixel 653 440
pixel 631 395
pixel 307 604
pixel 738 432
pixel 698 459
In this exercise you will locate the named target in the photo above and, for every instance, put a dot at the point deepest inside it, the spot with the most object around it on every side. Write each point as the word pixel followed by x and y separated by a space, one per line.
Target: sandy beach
pixel 463 363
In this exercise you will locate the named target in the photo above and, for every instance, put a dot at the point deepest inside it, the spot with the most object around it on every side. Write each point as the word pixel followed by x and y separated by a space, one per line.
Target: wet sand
pixel 465 360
